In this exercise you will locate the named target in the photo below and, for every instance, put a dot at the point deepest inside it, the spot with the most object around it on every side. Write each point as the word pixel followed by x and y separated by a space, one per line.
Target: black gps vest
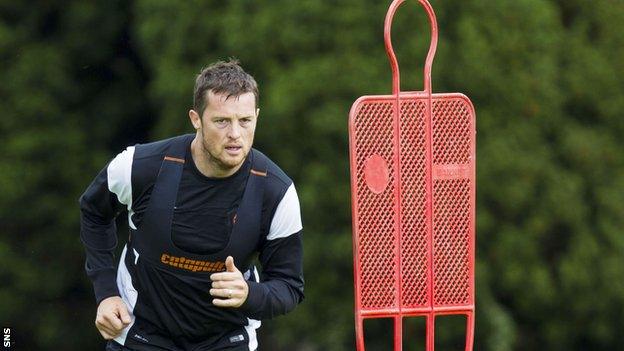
pixel 170 280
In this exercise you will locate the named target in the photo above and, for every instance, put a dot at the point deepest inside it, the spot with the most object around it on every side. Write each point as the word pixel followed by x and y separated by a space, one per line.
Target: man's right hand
pixel 112 317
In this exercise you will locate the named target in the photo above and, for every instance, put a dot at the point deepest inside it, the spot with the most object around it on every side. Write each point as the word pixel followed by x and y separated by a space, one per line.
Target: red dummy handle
pixel 396 84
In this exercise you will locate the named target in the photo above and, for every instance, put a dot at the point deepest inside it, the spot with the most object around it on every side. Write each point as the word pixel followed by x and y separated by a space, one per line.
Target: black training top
pixel 204 215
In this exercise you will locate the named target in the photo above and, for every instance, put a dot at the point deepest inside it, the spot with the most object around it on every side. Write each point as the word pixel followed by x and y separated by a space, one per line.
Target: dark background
pixel 81 80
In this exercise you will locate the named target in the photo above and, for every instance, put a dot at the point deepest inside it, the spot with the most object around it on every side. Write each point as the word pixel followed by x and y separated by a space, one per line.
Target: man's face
pixel 227 129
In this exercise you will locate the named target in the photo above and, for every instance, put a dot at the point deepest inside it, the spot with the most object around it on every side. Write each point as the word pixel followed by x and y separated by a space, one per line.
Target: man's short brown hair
pixel 222 78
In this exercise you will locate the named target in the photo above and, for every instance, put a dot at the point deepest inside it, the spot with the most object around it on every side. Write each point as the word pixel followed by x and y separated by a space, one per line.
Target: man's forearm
pixel 270 299
pixel 98 233
pixel 99 242
pixel 281 286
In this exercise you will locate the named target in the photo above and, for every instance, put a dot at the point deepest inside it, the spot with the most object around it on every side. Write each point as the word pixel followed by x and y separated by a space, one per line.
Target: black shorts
pixel 112 345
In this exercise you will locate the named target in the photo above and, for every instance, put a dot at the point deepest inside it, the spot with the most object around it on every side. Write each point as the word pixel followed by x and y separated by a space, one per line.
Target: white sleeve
pixel 119 173
pixel 287 218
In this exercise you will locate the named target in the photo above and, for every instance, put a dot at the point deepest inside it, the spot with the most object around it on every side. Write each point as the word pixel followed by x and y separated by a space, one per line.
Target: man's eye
pixel 220 121
pixel 246 120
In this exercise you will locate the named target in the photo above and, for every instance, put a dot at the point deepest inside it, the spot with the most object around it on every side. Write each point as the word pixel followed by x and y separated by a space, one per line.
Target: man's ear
pixel 257 112
pixel 195 119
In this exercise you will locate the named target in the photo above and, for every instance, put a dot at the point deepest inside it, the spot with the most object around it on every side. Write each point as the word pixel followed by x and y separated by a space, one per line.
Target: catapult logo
pixel 6 341
pixel 192 265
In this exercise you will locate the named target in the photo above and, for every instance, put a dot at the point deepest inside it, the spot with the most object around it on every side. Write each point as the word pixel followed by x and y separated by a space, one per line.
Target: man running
pixel 200 206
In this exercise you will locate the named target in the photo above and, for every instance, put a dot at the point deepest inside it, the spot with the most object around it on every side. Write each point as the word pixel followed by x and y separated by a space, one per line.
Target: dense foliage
pixel 83 79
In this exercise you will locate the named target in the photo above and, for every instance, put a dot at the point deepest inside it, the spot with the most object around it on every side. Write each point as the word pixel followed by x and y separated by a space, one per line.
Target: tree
pixel 69 88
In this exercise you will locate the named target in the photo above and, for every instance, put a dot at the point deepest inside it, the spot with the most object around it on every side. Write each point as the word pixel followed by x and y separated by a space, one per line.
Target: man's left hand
pixel 229 287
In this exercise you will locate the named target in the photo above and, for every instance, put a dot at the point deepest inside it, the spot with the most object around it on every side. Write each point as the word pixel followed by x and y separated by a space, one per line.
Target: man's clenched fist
pixel 112 317
pixel 229 288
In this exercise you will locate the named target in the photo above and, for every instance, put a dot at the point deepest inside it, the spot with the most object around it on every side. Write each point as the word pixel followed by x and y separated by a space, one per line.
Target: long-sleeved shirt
pixel 205 211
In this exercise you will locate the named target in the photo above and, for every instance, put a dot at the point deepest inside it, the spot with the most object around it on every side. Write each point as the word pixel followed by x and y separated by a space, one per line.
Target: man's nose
pixel 234 131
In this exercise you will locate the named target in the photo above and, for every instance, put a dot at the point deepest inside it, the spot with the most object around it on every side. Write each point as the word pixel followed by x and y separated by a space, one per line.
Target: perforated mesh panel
pixel 376 237
pixel 451 239
pixel 376 212
pixel 451 131
pixel 451 203
pixel 414 248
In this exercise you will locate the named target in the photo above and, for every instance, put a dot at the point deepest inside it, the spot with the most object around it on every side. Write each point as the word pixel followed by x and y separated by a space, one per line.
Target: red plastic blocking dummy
pixel 412 157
